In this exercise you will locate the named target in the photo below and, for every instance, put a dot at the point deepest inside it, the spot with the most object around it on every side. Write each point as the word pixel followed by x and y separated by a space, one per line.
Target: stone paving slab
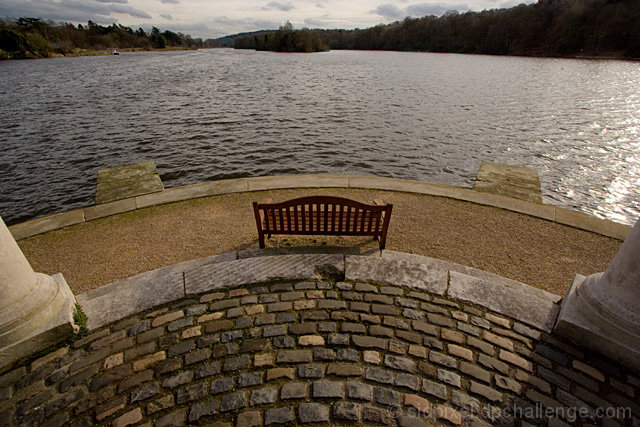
pixel 47 223
pixel 131 296
pixel 305 250
pixel 398 184
pixel 592 223
pixel 260 269
pixel 305 352
pixel 537 210
pixel 448 265
pixel 110 208
pixel 141 292
pixel 396 272
pixel 193 191
pixel 297 181
pixel 530 305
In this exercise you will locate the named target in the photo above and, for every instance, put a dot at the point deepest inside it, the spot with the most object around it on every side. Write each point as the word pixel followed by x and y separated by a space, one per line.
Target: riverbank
pixel 535 251
pixel 90 52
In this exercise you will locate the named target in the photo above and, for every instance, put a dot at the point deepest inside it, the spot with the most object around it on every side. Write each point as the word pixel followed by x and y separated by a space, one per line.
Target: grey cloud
pixel 166 16
pixel 170 1
pixel 128 10
pixel 274 5
pixel 390 11
pixel 69 10
pixel 223 26
pixel 323 22
pixel 513 3
pixel 424 9
pixel 314 22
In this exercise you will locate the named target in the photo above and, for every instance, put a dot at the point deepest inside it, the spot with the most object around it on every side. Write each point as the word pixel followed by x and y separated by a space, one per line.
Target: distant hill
pixel 229 41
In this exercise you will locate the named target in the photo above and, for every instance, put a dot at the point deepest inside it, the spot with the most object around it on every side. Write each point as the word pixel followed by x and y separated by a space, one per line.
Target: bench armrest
pixel 266 200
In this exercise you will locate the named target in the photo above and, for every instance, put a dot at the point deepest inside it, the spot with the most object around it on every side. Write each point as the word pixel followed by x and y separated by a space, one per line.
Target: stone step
pixel 122 182
pixel 511 181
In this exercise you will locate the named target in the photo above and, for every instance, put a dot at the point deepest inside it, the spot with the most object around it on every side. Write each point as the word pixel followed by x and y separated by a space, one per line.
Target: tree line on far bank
pixel 36 38
pixel 284 40
pixel 597 28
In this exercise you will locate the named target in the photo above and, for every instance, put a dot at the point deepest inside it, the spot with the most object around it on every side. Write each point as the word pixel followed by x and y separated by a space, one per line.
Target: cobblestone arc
pixel 305 352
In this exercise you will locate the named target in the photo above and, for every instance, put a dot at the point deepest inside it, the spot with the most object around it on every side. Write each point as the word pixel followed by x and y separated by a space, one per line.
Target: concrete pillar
pixel 602 312
pixel 36 310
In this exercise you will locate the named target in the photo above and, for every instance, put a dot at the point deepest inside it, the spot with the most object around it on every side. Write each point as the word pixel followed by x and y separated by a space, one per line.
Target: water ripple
pixel 218 114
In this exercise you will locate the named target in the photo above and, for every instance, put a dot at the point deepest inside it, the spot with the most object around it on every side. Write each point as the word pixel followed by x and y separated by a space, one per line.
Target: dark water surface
pixel 215 114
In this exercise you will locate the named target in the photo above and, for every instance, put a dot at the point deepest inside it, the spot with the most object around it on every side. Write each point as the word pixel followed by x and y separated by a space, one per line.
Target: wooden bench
pixel 323 215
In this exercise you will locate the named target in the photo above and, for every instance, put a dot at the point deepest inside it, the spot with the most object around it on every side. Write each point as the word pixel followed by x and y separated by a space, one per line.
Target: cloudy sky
pixel 215 18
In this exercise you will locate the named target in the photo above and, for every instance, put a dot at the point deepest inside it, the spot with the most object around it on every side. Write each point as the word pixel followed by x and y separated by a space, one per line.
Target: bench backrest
pixel 324 215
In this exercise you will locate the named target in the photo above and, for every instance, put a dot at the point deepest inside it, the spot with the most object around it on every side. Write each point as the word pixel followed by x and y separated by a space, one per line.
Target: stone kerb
pixel 262 269
pixel 147 290
pixel 214 188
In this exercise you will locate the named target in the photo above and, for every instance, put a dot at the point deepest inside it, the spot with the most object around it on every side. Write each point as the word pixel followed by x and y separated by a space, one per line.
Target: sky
pixel 216 18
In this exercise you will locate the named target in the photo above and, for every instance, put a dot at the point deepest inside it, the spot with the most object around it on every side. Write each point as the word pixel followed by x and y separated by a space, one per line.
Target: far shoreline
pixel 104 52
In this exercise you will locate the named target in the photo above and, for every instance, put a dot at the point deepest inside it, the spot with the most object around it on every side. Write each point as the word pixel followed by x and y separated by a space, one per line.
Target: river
pixel 221 113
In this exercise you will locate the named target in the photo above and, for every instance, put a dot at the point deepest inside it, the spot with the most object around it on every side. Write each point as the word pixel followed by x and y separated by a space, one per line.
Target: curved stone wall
pixel 306 351
pixel 213 188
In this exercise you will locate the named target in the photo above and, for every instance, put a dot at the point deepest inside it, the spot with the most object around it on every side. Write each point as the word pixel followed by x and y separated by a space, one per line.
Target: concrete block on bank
pixel 522 302
pixel 262 269
pixel 126 181
pixel 111 208
pixel 592 223
pixel 396 272
pixel 48 223
pixel 297 181
pixel 507 180
pixel 194 191
pixel 406 185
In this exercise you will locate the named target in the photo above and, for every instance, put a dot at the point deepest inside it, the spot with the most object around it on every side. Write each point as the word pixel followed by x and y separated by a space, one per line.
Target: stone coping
pixel 115 301
pixel 327 351
pixel 213 188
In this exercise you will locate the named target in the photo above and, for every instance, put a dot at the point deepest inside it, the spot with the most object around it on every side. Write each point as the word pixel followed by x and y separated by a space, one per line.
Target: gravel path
pixel 537 252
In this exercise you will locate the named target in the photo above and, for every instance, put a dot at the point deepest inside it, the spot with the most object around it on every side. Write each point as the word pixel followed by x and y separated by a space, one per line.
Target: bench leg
pixel 261 240
pixel 382 242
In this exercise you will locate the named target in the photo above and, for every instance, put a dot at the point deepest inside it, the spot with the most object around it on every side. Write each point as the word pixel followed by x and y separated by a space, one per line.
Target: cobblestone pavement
pixel 316 352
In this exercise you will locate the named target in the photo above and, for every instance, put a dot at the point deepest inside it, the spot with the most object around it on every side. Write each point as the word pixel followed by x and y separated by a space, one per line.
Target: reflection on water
pixel 215 114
